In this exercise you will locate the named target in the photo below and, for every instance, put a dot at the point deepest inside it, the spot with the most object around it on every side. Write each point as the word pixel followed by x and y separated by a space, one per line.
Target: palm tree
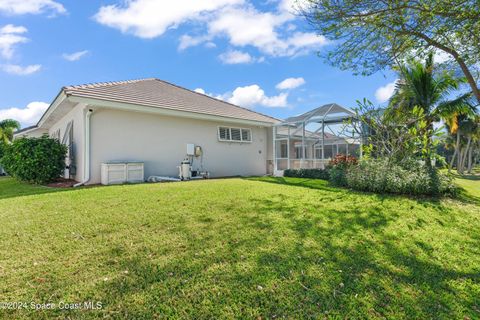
pixel 420 87
pixel 7 128
pixel 471 130
pixel 475 149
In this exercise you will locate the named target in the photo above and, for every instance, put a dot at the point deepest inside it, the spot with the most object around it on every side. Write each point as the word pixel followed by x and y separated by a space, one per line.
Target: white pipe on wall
pixel 86 152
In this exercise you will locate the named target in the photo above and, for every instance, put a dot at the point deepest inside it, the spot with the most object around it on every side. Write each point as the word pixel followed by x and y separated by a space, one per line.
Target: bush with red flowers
pixel 343 160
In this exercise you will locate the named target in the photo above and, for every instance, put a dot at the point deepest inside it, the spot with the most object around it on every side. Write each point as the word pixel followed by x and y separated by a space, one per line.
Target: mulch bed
pixel 62 183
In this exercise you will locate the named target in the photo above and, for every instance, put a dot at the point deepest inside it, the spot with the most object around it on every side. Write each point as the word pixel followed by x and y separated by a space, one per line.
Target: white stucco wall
pixel 160 142
pixel 77 116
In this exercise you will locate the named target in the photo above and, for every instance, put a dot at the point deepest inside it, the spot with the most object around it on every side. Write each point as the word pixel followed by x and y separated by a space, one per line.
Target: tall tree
pixel 470 128
pixel 7 128
pixel 421 87
pixel 371 35
pixel 475 149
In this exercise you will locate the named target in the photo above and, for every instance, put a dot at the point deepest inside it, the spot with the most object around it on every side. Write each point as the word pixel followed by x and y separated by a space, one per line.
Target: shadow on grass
pixel 466 196
pixel 335 263
pixel 11 188
pixel 298 182
pixel 326 186
pixel 471 177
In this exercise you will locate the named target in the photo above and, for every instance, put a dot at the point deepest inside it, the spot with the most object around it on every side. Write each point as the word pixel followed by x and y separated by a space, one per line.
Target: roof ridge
pixel 105 84
pixel 213 98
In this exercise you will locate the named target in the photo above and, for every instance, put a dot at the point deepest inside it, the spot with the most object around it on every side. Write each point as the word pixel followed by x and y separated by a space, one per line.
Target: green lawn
pixel 471 184
pixel 243 248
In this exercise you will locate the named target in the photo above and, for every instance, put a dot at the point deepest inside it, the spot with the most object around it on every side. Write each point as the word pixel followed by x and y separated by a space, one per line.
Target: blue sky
pixel 238 50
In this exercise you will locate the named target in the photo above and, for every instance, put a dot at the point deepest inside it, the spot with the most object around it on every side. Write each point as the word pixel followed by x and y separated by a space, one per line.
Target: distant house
pixel 159 124
pixel 152 121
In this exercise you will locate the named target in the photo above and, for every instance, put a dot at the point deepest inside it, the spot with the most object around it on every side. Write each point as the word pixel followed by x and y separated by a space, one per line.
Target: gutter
pixel 86 153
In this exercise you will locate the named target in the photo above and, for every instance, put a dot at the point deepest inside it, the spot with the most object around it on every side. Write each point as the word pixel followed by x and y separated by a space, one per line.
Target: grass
pixel 238 248
pixel 470 184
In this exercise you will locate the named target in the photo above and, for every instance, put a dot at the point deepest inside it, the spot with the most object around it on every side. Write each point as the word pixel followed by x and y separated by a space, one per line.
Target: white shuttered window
pixel 234 134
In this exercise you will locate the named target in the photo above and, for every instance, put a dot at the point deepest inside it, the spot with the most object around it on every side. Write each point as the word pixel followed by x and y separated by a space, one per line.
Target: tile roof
pixel 161 94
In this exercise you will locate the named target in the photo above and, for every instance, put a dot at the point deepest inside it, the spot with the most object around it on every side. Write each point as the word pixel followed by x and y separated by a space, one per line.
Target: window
pixel 282 149
pixel 330 152
pixel 246 135
pixel 318 152
pixel 224 133
pixel 299 149
pixel 234 134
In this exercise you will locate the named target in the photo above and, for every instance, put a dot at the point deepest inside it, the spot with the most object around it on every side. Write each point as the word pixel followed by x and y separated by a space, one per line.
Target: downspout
pixel 86 153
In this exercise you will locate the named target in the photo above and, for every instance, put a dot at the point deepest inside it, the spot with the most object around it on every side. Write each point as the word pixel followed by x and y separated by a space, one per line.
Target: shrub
pixel 307 173
pixel 36 160
pixel 343 161
pixel 382 176
pixel 2 149
pixel 338 168
pixel 338 176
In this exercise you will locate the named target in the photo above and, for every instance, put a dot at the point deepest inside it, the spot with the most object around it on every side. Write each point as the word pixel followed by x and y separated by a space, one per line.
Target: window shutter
pixel 224 133
pixel 236 134
pixel 246 136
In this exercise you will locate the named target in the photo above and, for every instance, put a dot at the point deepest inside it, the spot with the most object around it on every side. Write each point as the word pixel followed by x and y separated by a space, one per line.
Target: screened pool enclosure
pixel 311 139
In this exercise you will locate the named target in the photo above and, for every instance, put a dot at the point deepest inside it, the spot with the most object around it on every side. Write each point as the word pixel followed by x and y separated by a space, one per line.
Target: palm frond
pixel 9 123
pixel 7 127
pixel 458 106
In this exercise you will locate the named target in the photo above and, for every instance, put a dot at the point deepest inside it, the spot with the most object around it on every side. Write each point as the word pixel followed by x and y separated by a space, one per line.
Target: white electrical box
pixel 122 172
pixel 190 149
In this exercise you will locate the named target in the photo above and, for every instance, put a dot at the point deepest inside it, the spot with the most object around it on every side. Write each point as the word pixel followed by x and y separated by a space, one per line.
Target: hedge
pixel 35 160
pixel 307 173
pixel 381 176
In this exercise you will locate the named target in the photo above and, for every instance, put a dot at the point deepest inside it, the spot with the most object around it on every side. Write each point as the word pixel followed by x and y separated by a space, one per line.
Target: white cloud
pixel 246 26
pixel 210 44
pixel 21 70
pixel 384 93
pixel 17 7
pixel 236 57
pixel 151 18
pixel 26 116
pixel 10 36
pixel 74 56
pixel 10 28
pixel 187 41
pixel 272 33
pixel 253 95
pixel 290 83
pixel 249 97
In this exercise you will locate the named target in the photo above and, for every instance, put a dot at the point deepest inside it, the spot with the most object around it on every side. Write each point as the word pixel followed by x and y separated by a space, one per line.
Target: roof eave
pixel 61 96
pixel 25 130
pixel 106 103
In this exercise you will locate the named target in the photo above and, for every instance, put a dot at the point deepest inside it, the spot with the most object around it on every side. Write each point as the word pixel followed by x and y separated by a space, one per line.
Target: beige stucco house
pixel 152 121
